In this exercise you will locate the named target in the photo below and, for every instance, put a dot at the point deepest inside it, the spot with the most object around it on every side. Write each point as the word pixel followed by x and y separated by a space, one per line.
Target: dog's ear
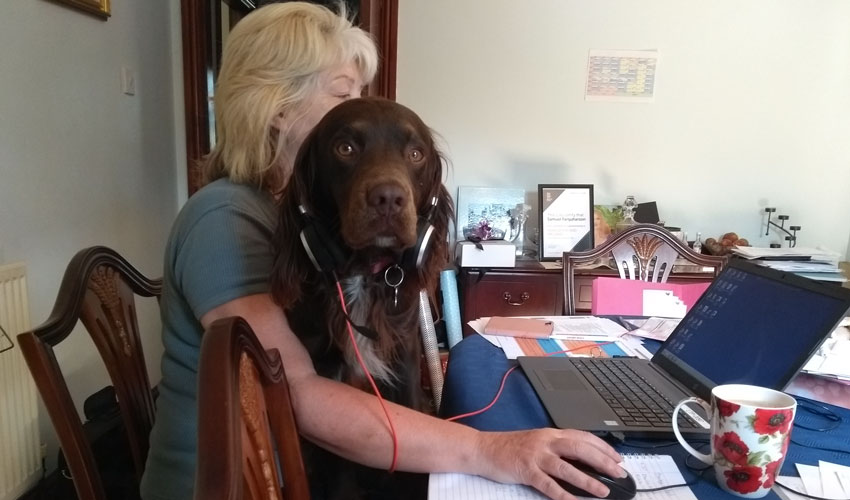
pixel 445 205
pixel 434 176
pixel 291 263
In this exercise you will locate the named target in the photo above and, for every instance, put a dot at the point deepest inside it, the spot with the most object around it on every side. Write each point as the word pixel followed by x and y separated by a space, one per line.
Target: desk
pixel 475 371
pixel 529 289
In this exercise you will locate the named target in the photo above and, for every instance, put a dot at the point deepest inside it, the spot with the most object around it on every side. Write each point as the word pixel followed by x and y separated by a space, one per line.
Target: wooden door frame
pixel 378 17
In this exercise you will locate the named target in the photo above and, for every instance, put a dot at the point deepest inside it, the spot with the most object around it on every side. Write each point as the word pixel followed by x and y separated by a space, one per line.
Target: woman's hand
pixel 535 457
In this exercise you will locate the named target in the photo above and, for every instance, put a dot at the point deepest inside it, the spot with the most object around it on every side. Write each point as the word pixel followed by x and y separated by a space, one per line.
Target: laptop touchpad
pixel 561 380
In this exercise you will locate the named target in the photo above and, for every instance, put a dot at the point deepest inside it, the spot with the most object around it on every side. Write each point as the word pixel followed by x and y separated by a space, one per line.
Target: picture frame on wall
pixel 99 8
pixel 565 219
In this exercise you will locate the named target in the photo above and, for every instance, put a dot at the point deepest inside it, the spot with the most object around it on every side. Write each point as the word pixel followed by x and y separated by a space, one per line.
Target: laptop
pixel 753 325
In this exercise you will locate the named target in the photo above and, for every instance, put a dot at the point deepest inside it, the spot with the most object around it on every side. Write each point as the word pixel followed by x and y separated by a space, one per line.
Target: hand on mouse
pixel 537 456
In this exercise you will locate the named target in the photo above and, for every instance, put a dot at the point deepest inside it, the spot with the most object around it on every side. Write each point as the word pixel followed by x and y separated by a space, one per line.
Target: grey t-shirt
pixel 219 250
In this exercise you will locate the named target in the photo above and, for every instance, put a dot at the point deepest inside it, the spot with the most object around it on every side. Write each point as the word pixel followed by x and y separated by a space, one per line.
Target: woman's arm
pixel 350 423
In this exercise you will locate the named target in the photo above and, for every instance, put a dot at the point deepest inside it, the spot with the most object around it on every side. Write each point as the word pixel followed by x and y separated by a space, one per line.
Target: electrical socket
pixel 43 450
pixel 128 81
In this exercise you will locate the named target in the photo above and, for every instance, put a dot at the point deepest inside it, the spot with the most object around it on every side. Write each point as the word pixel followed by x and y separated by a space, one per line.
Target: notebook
pixel 753 325
pixel 648 471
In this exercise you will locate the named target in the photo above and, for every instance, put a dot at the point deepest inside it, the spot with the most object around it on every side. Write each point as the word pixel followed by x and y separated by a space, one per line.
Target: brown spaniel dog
pixel 365 190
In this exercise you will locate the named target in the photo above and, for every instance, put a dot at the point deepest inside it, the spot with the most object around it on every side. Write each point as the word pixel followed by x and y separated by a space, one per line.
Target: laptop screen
pixel 752 325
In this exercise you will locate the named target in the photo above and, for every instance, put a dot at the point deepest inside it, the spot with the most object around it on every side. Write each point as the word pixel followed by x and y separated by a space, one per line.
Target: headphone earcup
pixel 415 256
pixel 320 247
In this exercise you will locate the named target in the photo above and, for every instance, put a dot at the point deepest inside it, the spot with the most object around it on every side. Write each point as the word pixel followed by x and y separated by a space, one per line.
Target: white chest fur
pixel 358 303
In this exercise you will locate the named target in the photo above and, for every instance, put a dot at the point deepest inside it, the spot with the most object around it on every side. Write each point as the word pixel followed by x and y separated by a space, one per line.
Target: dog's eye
pixel 344 149
pixel 416 155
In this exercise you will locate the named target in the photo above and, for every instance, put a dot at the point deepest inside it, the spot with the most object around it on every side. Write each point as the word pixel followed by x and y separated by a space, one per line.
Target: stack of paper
pixel 826 480
pixel 796 253
pixel 579 335
pixel 653 328
pixel 830 360
pixel 814 263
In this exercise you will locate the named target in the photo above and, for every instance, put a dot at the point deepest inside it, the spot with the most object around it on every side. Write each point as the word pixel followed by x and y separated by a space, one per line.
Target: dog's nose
pixel 386 199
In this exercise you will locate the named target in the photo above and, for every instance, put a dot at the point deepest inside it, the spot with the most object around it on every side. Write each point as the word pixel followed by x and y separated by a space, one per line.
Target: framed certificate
pixel 566 219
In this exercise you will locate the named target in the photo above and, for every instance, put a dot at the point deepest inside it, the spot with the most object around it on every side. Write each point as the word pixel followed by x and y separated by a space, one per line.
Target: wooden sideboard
pixel 529 289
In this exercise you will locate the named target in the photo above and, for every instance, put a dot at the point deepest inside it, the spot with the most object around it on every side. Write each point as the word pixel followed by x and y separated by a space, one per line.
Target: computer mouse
pixel 620 488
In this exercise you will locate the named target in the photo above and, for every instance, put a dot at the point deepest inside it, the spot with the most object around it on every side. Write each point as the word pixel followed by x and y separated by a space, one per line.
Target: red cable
pixel 371 380
pixel 482 410
pixel 505 378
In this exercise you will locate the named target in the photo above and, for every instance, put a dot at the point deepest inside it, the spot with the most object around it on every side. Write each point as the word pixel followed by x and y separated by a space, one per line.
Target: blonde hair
pixel 270 65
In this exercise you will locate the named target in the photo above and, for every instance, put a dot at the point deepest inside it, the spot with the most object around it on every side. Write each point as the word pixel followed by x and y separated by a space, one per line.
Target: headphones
pixel 327 256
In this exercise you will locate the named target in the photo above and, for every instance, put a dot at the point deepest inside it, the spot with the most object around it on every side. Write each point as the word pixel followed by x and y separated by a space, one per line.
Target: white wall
pixel 81 163
pixel 752 106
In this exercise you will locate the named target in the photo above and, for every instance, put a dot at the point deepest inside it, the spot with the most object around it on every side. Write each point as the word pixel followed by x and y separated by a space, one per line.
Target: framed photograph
pixel 565 219
pixel 485 212
pixel 99 8
pixel 605 220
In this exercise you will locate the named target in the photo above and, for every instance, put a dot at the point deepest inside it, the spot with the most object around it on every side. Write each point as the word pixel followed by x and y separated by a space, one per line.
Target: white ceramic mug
pixel 750 432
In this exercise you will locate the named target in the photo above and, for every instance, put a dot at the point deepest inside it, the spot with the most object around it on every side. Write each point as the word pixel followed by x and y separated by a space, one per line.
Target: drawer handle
pixel 522 299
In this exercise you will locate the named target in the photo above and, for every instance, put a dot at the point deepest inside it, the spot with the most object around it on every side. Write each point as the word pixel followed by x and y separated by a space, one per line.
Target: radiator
pixel 20 449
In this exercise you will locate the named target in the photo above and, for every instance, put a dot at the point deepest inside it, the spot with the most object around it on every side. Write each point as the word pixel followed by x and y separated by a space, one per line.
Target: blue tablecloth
pixel 475 370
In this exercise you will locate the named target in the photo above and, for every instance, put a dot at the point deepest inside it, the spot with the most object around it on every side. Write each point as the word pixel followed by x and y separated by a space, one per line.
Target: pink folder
pixel 625 297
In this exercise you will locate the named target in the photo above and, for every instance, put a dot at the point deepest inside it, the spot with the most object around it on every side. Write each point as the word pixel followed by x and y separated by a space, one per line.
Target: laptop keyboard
pixel 636 403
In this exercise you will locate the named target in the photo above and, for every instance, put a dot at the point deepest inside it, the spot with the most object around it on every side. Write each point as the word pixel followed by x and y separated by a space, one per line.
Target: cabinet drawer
pixel 584 293
pixel 512 295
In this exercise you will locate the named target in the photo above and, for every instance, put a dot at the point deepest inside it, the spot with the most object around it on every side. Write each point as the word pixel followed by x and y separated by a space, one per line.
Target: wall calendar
pixel 621 75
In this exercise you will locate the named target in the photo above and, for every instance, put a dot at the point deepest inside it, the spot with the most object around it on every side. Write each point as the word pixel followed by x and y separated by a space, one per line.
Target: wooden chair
pixel 99 289
pixel 247 425
pixel 642 252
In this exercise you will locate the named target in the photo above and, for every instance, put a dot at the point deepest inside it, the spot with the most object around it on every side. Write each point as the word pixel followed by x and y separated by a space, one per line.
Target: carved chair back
pixel 643 252
pixel 99 289
pixel 248 421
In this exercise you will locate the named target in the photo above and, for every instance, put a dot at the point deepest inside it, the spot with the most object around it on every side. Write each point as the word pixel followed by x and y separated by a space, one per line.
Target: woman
pixel 283 67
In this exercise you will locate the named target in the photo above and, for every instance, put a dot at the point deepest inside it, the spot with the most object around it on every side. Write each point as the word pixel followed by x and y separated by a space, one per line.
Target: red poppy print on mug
pixel 726 408
pixel 732 448
pixel 770 471
pixel 772 421
pixel 750 432
pixel 743 478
